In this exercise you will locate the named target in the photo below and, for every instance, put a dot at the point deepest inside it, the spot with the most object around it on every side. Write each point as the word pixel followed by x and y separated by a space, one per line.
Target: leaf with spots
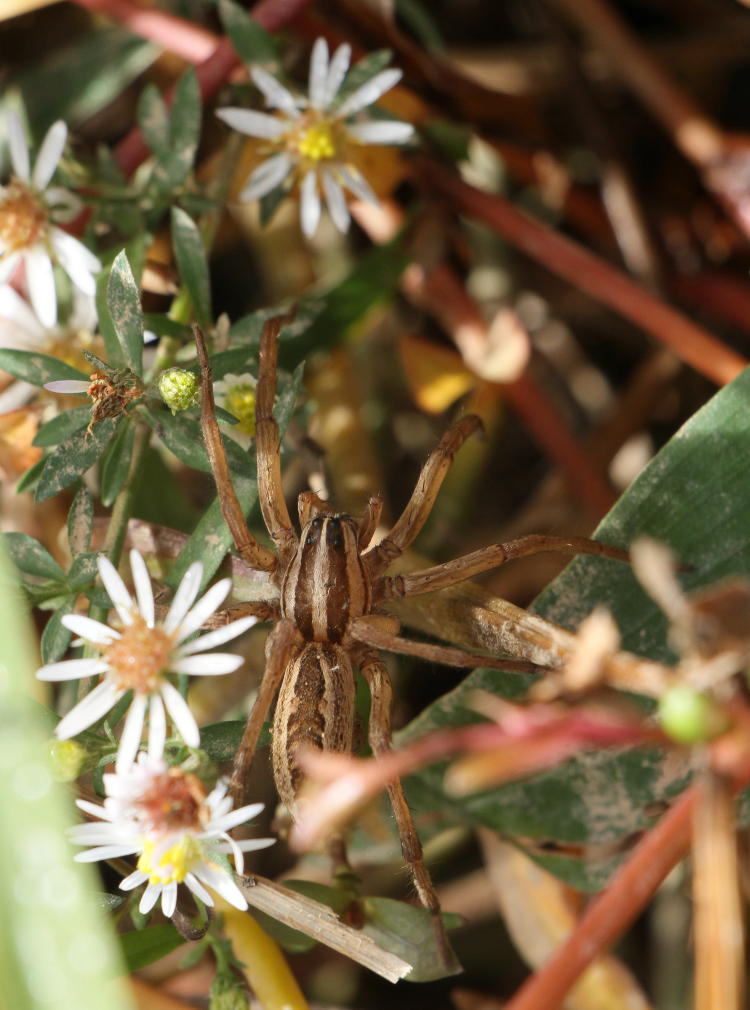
pixel 124 303
pixel 73 457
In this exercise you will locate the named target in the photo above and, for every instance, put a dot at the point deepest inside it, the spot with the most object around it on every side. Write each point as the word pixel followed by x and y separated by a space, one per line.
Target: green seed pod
pixel 687 715
pixel 178 388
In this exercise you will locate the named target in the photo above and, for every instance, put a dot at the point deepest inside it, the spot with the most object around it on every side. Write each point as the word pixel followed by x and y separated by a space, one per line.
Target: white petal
pixel 72 669
pixel 381 131
pixel 104 852
pixel 276 95
pixel 8 263
pixel 217 637
pixel 335 201
pixel 250 844
pixel 184 597
pixel 318 74
pixel 266 177
pixel 169 899
pixel 157 727
pixel 369 92
pixel 19 149
pixel 64 205
pixel 142 583
pixel 76 260
pixel 88 711
pixel 309 204
pixel 220 881
pixel 16 395
pixel 15 309
pixel 133 880
pixel 92 631
pixel 149 898
pixel 67 386
pixel 117 590
pixel 132 732
pixel 254 124
pixel 93 808
pixel 212 664
pixel 206 605
pixel 229 845
pixel 198 889
pixel 181 715
pixel 49 154
pixel 356 183
pixel 40 282
pixel 235 817
pixel 337 72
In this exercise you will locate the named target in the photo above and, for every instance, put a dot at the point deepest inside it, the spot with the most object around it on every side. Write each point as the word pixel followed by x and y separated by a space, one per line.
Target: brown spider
pixel 330 583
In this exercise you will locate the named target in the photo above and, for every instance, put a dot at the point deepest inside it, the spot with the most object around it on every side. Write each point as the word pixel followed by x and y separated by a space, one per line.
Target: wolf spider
pixel 330 583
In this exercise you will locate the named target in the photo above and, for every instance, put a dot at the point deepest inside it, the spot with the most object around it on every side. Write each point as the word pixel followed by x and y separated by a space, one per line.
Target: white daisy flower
pixel 164 816
pixel 139 657
pixel 22 330
pixel 236 394
pixel 29 208
pixel 312 138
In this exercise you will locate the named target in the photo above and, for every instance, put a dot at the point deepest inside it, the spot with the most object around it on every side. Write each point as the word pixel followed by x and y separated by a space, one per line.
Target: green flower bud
pixel 178 388
pixel 226 994
pixel 688 716
pixel 68 759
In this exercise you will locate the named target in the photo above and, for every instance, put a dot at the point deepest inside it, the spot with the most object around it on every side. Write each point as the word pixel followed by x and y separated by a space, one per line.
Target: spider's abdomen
pixel 325 585
pixel 315 708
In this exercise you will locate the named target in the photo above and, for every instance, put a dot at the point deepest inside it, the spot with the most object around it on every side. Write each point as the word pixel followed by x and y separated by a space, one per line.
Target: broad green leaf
pixel 252 43
pixel 31 557
pixel 83 571
pixel 182 436
pixel 72 458
pixel 408 931
pixel 58 948
pixel 694 496
pixel 36 368
pixel 80 522
pixel 153 119
pixel 192 264
pixel 144 946
pixel 124 303
pixel 221 740
pixel 116 464
pixel 55 638
pixel 62 426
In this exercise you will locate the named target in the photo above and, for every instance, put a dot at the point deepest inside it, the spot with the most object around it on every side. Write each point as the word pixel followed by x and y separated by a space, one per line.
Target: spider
pixel 330 584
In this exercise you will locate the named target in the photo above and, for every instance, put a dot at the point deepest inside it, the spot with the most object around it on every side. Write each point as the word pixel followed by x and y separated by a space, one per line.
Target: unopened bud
pixel 178 388
pixel 689 716
pixel 227 995
pixel 68 759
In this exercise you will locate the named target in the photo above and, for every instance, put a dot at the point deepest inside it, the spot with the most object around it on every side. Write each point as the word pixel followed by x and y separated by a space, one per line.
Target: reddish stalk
pixel 188 40
pixel 603 282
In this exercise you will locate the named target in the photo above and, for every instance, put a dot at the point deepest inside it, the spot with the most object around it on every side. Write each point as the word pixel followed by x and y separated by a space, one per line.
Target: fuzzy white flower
pixel 236 394
pixel 29 208
pixel 313 137
pixel 164 816
pixel 139 657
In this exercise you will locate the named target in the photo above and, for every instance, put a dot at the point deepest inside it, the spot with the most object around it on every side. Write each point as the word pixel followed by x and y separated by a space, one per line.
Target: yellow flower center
pixel 317 142
pixel 174 864
pixel 140 656
pixel 240 401
pixel 23 217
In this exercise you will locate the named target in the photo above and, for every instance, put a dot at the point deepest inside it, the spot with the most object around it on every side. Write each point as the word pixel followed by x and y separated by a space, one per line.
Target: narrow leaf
pixel 124 302
pixel 252 42
pixel 36 368
pixel 192 264
pixel 31 557
pixel 116 464
pixel 80 522
pixel 83 571
pixel 144 946
pixel 153 119
pixel 58 428
pixel 73 458
pixel 56 638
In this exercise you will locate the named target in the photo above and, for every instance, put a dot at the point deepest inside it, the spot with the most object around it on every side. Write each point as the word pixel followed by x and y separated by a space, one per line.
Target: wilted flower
pixel 164 816
pixel 139 657
pixel 313 137
pixel 29 206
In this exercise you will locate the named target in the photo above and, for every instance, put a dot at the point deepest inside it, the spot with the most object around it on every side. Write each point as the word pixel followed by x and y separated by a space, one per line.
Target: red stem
pixel 188 40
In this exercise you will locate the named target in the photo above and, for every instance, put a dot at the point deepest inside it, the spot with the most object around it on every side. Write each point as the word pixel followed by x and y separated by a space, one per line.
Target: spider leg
pixel 264 610
pixel 255 554
pixel 310 505
pixel 452 572
pixel 369 521
pixel 282 645
pixel 414 516
pixel 379 734
pixel 368 632
pixel 272 502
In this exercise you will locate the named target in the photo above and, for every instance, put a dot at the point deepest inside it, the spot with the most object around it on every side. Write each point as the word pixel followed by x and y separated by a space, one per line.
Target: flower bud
pixel 227 995
pixel 68 759
pixel 688 716
pixel 178 388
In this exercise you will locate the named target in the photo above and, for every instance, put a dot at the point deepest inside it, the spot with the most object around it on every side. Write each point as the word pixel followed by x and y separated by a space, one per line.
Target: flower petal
pixel 40 282
pixel 184 597
pixel 381 131
pixel 208 664
pixel 369 92
pixel 169 899
pixel 337 72
pixel 76 260
pixel 318 74
pixel 220 881
pixel 276 95
pixel 117 590
pixel 143 590
pixel 266 177
pixel 104 852
pixel 309 204
pixel 72 669
pixel 217 637
pixel 133 880
pixel 149 898
pixel 206 605
pixel 356 183
pixel 254 124
pixel 49 154
pixel 198 889
pixel 235 817
pixel 335 201
pixel 93 808
pixel 14 309
pixel 19 149
pixel 68 386
pixel 90 630
pixel 157 727
pixel 132 732
pixel 90 710
pixel 181 715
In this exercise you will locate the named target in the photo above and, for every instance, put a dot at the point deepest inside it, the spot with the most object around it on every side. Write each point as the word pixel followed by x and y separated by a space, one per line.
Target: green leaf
pixel 80 522
pixel 31 557
pixel 83 571
pixel 408 931
pixel 55 638
pixel 73 457
pixel 163 326
pixel 144 946
pixel 124 303
pixel 415 14
pixel 153 119
pixel 182 436
pixel 116 464
pixel 252 42
pixel 115 354
pixel 174 164
pixel 192 264
pixel 221 740
pixel 62 426
pixel 694 496
pixel 29 480
pixel 37 368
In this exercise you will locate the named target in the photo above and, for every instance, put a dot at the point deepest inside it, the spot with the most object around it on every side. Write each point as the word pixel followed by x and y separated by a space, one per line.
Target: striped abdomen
pixel 325 585
pixel 315 708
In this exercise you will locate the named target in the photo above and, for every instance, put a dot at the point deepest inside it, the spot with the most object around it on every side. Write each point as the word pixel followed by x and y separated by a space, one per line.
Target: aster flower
pixel 29 208
pixel 139 657
pixel 236 394
pixel 164 816
pixel 313 138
